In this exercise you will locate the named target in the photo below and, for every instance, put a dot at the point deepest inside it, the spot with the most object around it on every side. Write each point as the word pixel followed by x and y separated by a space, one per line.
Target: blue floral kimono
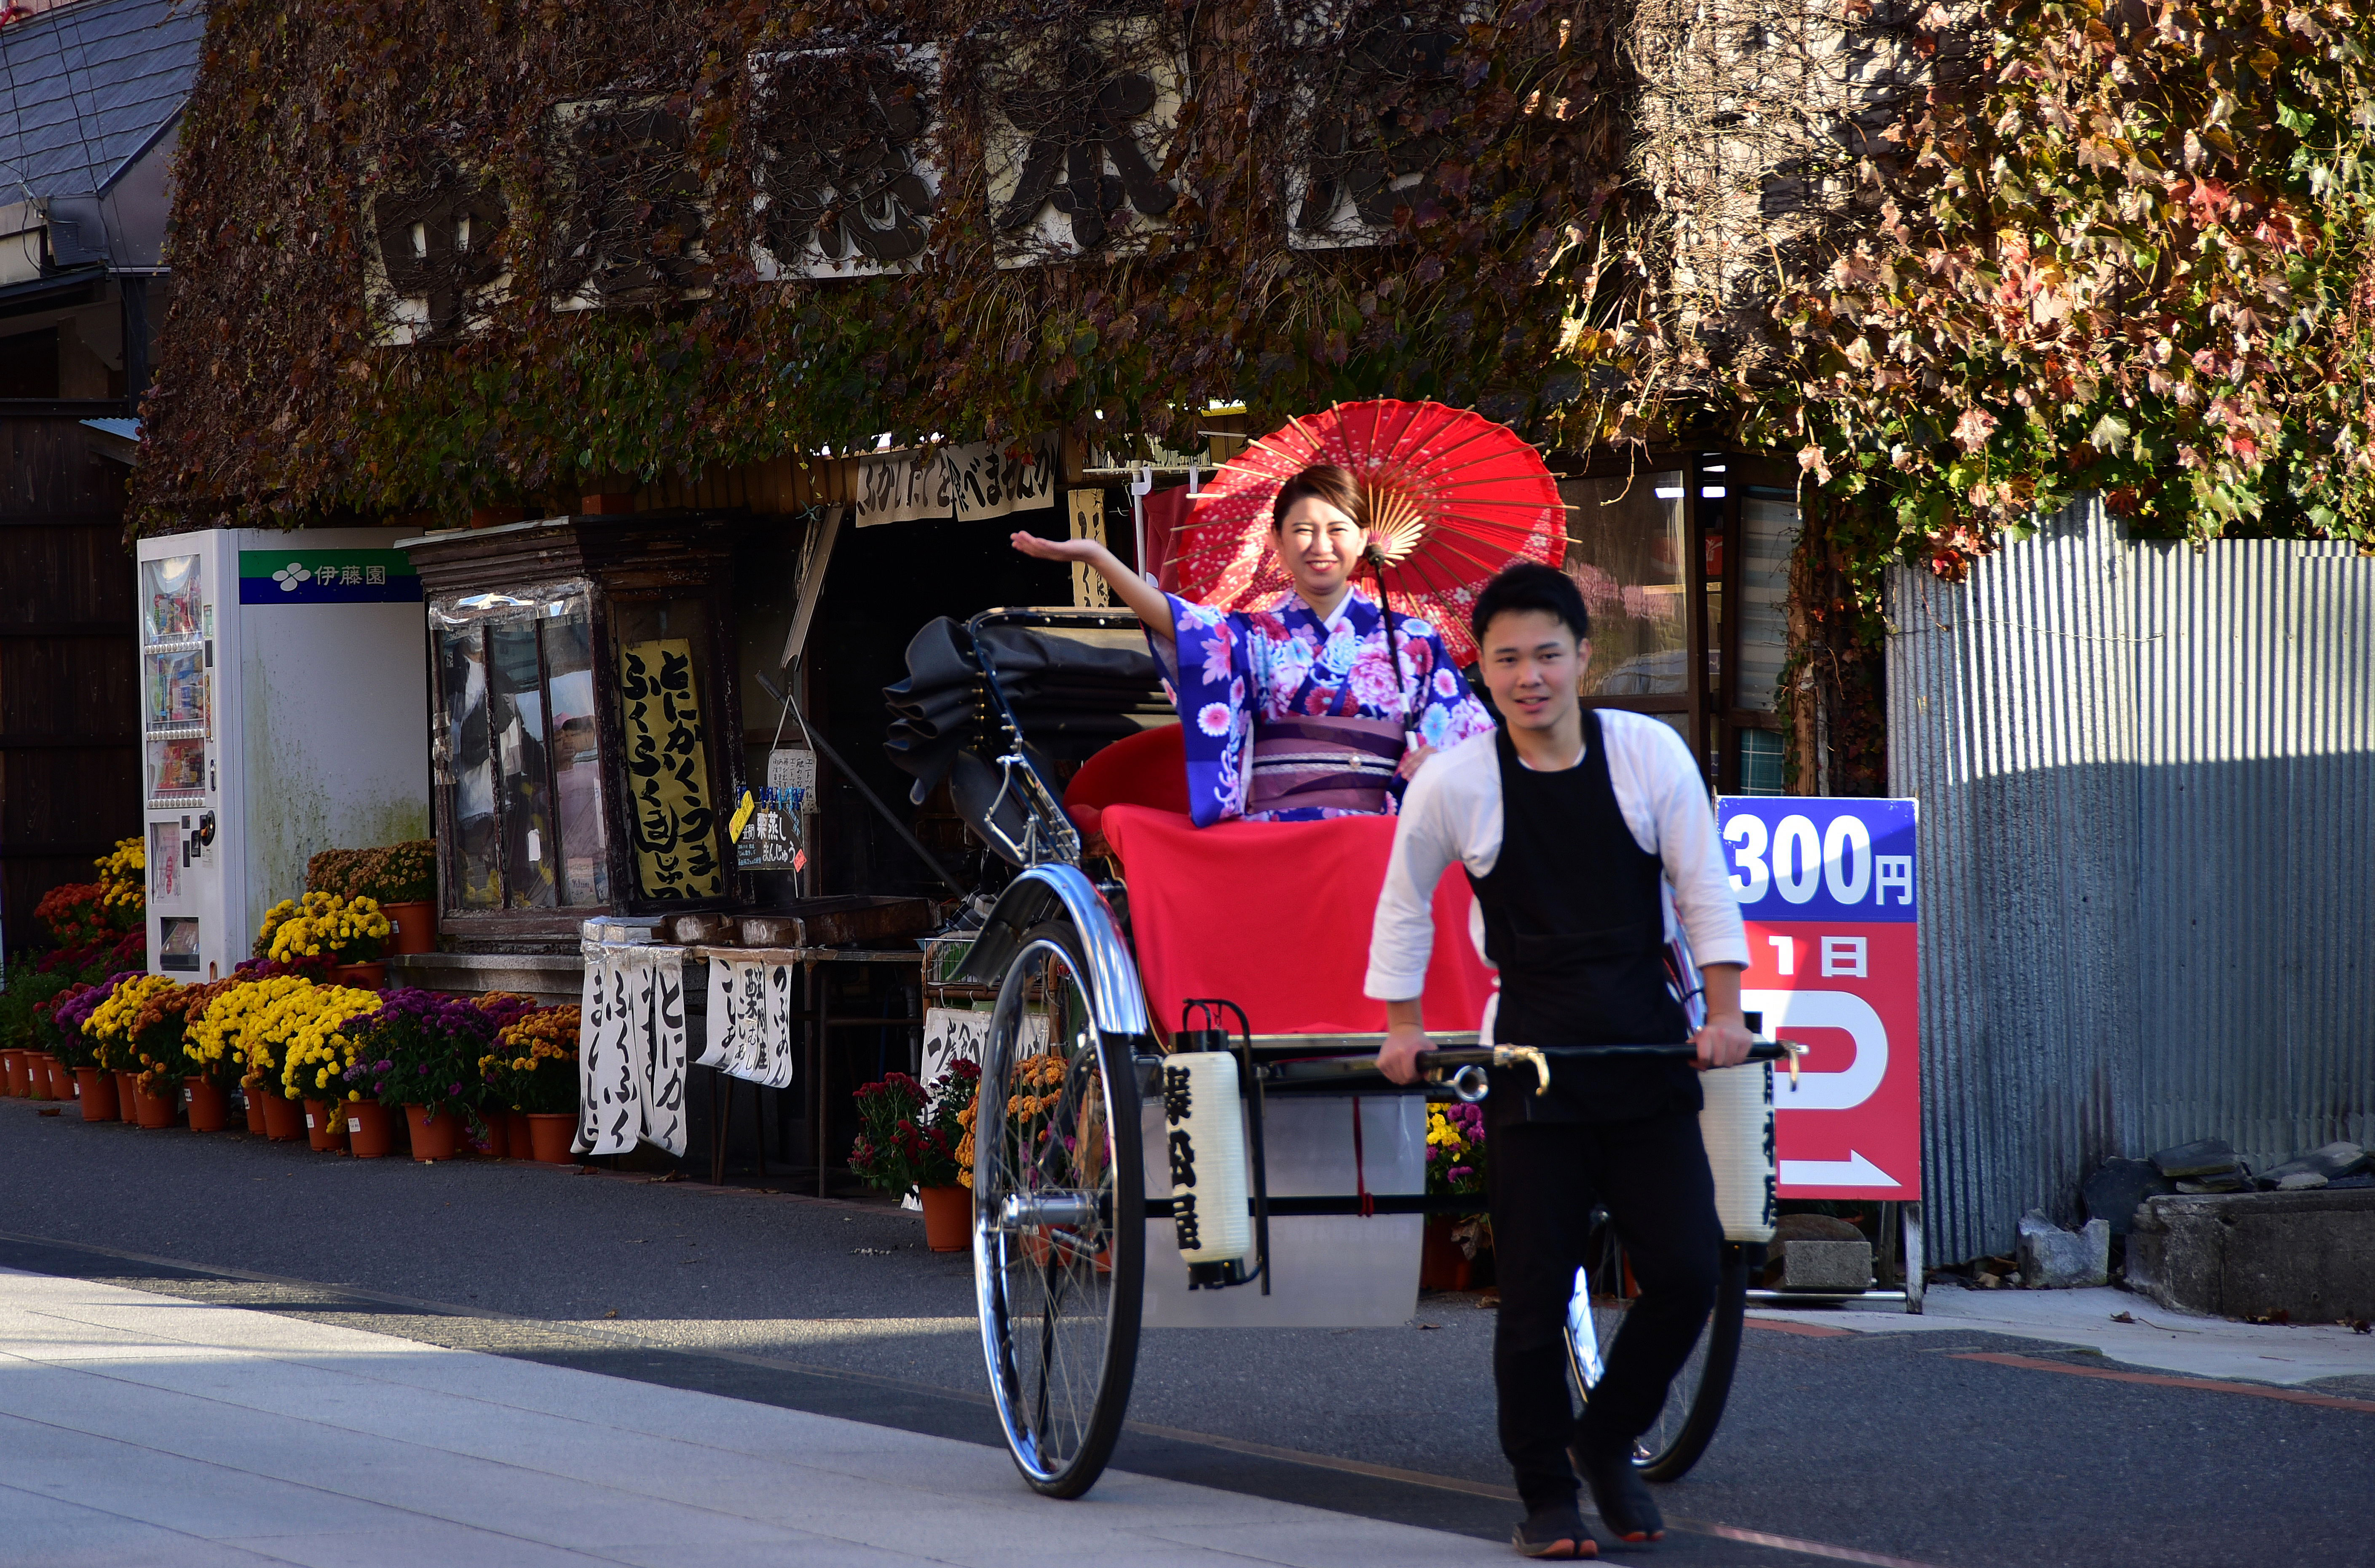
pixel 1289 718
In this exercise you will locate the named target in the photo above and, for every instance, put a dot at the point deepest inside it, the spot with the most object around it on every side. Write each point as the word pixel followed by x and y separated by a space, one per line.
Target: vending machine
pixel 283 711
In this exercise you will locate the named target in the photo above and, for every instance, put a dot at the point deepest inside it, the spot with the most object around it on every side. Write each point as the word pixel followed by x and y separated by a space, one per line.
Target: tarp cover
pixel 1275 916
pixel 1071 697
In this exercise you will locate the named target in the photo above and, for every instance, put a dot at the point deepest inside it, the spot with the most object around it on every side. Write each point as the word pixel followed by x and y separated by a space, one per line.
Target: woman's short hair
pixel 1530 585
pixel 1329 482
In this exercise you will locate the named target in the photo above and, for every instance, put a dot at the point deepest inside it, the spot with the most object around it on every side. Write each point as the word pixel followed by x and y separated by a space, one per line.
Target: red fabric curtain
pixel 1275 916
pixel 1166 514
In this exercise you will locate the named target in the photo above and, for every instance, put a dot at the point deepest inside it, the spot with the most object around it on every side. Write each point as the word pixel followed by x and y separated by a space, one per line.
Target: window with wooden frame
pixel 1683 561
pixel 585 734
pixel 517 749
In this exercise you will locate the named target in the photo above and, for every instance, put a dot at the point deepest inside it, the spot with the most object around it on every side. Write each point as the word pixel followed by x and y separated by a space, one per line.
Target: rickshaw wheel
pixel 1695 1400
pixel 1059 1234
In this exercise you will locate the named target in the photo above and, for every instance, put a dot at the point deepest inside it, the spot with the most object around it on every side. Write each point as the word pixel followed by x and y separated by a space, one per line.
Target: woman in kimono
pixel 1292 713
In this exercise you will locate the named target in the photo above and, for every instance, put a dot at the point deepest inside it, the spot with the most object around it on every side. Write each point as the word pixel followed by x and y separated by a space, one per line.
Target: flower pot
pixel 127 1107
pixel 209 1107
pixel 1441 1264
pixel 495 1142
pixel 253 1101
pixel 369 976
pixel 523 1143
pixel 284 1119
pixel 434 1138
pixel 62 1080
pixel 325 1125
pixel 948 1218
pixel 37 1075
pixel 154 1111
pixel 96 1087
pixel 12 1067
pixel 370 1132
pixel 416 927
pixel 549 1133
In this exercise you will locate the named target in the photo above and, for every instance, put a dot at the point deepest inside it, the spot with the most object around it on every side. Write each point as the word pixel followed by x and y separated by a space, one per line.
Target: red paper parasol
pixel 1452 497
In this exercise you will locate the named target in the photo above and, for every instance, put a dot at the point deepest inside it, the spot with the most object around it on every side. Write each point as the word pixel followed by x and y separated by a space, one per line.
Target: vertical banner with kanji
pixel 667 772
pixel 1830 890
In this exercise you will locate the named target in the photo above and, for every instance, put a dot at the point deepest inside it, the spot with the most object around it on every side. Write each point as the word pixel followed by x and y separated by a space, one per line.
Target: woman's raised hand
pixel 1144 599
pixel 1056 549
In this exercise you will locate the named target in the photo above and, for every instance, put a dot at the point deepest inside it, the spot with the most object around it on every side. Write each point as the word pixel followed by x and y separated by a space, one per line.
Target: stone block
pixel 2332 1163
pixel 1838 1267
pixel 2308 1254
pixel 1814 1227
pixel 2204 1157
pixel 2054 1259
pixel 2119 1187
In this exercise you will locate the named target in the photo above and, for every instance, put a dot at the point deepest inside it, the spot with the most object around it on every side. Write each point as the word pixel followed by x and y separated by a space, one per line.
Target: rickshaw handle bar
pixel 1537 1057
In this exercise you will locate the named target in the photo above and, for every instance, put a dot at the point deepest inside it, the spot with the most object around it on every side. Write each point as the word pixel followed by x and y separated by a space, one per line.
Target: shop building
pixel 629 630
pixel 88 132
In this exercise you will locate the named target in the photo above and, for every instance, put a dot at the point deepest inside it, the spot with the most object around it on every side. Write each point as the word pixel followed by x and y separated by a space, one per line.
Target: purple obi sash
pixel 1303 762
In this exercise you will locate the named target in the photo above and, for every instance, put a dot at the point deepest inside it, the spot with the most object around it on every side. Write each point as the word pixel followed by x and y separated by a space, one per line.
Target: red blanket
pixel 1275 916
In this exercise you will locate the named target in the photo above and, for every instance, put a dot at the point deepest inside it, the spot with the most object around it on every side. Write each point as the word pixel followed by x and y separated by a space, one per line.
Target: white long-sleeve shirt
pixel 1452 811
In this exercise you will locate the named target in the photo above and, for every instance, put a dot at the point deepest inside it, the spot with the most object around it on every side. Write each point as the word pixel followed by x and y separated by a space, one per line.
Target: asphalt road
pixel 1857 1448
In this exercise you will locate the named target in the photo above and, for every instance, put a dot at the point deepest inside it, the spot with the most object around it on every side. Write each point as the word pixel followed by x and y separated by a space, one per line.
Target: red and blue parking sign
pixel 1831 893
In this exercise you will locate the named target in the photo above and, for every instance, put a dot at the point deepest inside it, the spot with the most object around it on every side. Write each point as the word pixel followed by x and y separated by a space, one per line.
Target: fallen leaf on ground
pixel 2123 1317
pixel 1430 1325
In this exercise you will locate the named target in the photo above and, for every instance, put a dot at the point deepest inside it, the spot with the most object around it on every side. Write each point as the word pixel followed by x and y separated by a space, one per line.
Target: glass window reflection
pixel 468 769
pixel 1625 550
pixel 577 753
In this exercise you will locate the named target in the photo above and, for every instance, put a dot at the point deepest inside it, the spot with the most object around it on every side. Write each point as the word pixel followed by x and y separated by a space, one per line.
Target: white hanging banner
pixel 663 1085
pixel 631 1049
pixel 973 482
pixel 750 1021
pixel 609 1103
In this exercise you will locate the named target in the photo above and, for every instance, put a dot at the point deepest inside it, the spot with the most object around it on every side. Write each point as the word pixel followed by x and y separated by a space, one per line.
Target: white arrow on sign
pixel 1855 1171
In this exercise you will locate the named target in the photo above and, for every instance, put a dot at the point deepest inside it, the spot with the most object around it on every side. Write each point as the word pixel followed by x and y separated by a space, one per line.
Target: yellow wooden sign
pixel 667 772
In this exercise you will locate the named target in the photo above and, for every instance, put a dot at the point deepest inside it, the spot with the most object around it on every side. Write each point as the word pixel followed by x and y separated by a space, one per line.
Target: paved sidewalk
pixel 147 1429
pixel 2156 1337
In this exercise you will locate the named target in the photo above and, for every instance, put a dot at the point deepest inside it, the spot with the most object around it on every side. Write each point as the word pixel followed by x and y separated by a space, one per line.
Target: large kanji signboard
pixel 1831 893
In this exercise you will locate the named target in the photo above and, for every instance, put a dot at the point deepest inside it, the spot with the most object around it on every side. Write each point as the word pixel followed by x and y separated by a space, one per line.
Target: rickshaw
pixel 1106 1146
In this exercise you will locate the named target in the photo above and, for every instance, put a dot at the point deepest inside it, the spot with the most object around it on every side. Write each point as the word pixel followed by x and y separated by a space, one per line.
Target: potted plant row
pixel 1454 1244
pixel 349 935
pixel 97 929
pixel 347 1067
pixel 907 1144
pixel 399 878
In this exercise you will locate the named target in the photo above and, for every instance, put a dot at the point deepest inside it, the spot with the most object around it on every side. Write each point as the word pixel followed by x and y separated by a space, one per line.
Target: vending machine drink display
pixel 283 682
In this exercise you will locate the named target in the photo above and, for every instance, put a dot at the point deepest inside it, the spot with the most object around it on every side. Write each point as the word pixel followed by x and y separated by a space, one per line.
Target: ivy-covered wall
pixel 635 164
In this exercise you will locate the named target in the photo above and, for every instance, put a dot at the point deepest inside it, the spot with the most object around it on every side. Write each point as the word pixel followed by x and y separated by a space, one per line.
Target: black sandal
pixel 1555 1532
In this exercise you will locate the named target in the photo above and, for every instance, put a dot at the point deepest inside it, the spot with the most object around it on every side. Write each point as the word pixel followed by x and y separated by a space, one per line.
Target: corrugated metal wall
pixel 2147 787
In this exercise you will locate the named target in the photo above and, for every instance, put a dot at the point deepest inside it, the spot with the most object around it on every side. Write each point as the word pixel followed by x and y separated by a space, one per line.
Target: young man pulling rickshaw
pixel 1589 837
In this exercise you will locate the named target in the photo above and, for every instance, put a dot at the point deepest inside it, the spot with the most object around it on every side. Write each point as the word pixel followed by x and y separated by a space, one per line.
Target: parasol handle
pixel 1377 559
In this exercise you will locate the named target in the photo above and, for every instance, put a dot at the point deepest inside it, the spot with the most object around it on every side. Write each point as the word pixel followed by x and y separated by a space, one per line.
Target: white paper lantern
pixel 1204 1145
pixel 1736 1124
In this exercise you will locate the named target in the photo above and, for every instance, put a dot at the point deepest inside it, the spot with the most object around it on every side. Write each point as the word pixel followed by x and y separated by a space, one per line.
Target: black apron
pixel 1574 923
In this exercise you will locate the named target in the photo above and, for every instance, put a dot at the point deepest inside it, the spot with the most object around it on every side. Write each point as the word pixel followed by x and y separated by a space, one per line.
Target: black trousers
pixel 1546 1177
